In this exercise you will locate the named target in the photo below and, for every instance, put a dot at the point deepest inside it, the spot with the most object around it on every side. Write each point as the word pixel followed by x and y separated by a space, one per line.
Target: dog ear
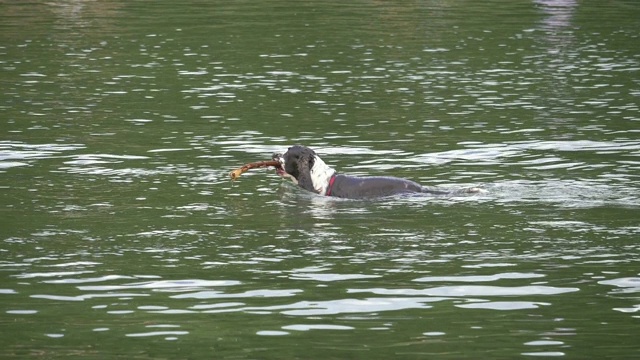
pixel 305 164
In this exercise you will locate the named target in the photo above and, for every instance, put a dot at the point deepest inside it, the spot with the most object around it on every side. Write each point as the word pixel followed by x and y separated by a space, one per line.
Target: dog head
pixel 305 168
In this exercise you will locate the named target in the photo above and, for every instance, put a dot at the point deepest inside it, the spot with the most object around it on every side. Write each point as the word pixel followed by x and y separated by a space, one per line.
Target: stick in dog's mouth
pixel 237 172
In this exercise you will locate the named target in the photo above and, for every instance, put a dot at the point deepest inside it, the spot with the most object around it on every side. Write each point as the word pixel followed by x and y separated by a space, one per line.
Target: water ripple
pixel 163 285
pixel 472 290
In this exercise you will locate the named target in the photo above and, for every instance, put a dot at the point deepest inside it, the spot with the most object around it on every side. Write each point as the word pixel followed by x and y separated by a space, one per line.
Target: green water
pixel 122 236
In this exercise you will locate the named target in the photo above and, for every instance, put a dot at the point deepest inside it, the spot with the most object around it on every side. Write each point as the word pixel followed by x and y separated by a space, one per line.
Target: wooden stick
pixel 237 172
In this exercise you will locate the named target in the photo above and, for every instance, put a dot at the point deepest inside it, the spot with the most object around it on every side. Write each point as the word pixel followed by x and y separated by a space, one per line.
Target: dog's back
pixel 354 187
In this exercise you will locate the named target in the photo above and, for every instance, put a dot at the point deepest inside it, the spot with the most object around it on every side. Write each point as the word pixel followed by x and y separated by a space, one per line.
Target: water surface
pixel 122 235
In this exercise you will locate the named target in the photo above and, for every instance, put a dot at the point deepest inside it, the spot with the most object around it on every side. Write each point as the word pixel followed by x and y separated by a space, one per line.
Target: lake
pixel 122 235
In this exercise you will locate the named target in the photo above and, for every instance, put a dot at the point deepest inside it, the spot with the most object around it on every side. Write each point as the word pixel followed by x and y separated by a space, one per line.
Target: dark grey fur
pixel 354 187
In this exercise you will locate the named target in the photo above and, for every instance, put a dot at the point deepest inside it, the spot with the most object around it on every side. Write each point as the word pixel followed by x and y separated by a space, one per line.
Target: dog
pixel 306 169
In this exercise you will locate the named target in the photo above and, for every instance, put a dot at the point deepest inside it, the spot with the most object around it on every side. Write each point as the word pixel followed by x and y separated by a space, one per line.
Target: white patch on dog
pixel 321 174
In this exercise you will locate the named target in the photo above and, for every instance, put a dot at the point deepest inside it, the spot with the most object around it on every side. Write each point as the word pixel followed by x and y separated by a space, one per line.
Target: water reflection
pixel 559 15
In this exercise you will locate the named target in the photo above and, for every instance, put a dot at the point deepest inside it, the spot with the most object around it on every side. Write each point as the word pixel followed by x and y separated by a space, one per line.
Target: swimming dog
pixel 306 169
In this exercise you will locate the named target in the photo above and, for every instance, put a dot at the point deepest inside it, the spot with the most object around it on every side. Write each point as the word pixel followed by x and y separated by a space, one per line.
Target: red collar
pixel 330 187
